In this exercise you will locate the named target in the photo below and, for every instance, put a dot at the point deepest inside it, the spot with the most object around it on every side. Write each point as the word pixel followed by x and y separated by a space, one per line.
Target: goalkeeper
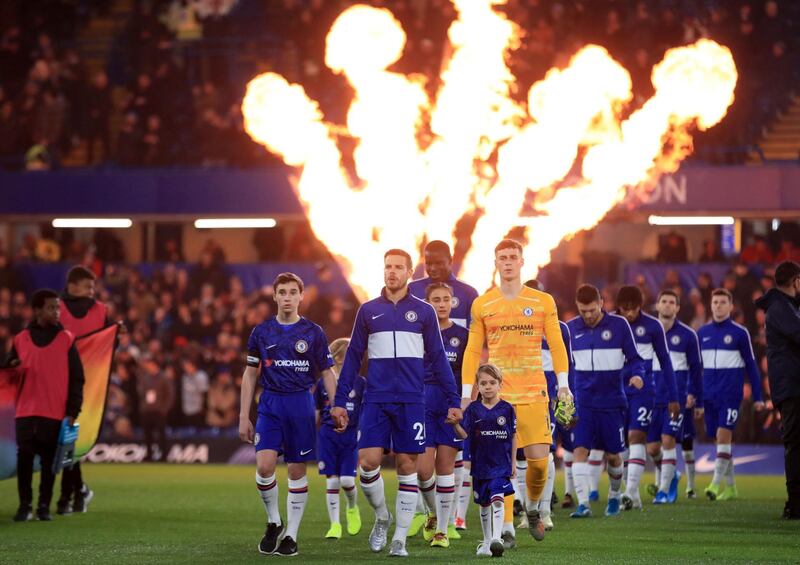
pixel 512 320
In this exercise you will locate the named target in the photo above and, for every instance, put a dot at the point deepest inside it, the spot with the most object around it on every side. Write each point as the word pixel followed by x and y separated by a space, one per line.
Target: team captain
pixel 512 319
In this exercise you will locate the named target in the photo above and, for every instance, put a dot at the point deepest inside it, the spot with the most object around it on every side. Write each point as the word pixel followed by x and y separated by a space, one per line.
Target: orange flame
pixel 411 190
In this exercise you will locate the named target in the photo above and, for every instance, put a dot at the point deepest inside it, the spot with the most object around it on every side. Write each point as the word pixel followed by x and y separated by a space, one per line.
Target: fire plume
pixel 423 164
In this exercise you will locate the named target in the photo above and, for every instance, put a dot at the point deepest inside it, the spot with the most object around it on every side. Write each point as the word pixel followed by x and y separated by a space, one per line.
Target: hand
pixel 758 405
pixel 565 394
pixel 636 382
pixel 454 416
pixel 70 420
pixel 245 429
pixel 690 401
pixel 698 412
pixel 339 416
pixel 513 471
pixel 674 409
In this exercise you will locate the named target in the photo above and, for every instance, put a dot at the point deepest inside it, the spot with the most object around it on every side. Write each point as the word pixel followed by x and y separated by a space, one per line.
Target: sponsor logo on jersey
pixel 301 346
pixel 452 356
pixel 606 335
pixel 675 340
pixel 523 329
pixel 498 434
pixel 411 316
pixel 640 331
pixel 527 312
pixel 455 302
pixel 455 342
pixel 299 365
pixel 728 339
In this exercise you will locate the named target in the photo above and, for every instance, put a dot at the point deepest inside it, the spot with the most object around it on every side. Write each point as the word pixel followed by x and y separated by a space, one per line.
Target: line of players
pixel 613 370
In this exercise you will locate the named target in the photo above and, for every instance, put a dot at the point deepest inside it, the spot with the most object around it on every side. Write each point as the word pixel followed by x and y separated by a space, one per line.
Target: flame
pixel 482 152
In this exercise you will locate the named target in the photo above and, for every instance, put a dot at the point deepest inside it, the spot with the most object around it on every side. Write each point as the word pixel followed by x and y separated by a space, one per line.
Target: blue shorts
pixel 721 414
pixel 640 412
pixel 436 431
pixel 662 425
pixel 287 424
pixel 338 453
pixel 600 429
pixel 566 437
pixel 392 425
pixel 465 450
pixel 484 489
pixel 688 424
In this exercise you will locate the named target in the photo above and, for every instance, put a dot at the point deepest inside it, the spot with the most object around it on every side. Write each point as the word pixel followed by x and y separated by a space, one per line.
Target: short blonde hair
pixel 492 370
pixel 339 346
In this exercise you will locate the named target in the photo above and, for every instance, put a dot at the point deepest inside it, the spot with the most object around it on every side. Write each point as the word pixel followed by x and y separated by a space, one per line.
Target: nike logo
pixel 578 336
pixel 376 317
pixel 306 452
pixel 476 421
pixel 706 465
pixel 706 338
pixel 271 346
pixel 420 443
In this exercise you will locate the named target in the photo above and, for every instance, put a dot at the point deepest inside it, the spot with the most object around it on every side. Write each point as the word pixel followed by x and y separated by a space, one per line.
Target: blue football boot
pixel 612 508
pixel 661 498
pixel 581 512
pixel 672 495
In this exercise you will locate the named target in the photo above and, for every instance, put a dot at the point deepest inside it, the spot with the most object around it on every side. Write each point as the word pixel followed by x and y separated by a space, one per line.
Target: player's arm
pixel 472 353
pixel 695 361
pixel 555 340
pixel 460 428
pixel 434 349
pixel 667 371
pixel 350 369
pixel 635 364
pixel 753 374
pixel 513 430
pixel 246 400
pixel 324 361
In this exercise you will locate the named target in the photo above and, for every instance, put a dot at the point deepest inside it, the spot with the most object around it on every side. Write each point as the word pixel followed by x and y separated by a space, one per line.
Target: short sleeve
pixel 512 419
pixel 322 353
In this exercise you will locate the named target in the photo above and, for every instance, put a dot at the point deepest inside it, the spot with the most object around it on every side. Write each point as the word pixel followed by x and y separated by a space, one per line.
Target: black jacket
pixel 42 336
pixel 783 344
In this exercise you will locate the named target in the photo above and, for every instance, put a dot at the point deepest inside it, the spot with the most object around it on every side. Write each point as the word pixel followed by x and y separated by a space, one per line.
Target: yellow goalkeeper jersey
pixel 512 330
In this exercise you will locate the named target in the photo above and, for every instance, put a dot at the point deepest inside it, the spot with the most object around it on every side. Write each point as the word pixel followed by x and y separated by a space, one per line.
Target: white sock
pixel 580 473
pixel 445 493
pixel 407 492
pixel 295 505
pixel 688 460
pixel 721 463
pixel 569 483
pixel 458 473
pixel 421 505
pixel 332 498
pixel 464 494
pixel 486 523
pixel 657 464
pixel 498 516
pixel 268 489
pixel 625 456
pixel 614 480
pixel 349 488
pixel 668 462
pixel 372 487
pixel 595 468
pixel 520 488
pixel 547 494
pixel 427 492
pixel 636 462
pixel 509 526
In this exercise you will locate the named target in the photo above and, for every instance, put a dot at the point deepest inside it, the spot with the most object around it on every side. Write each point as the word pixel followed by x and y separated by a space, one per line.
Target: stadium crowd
pixel 175 74
pixel 187 326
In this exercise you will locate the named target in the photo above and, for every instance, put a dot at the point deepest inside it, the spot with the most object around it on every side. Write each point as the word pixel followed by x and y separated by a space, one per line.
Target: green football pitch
pixel 212 514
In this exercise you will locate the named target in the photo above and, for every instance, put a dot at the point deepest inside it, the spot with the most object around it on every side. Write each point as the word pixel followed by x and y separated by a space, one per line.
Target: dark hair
pixel 80 273
pixel 669 292
pixel 786 273
pixel 508 244
pixel 438 246
pixel 587 294
pixel 285 278
pixel 630 295
pixel 437 286
pixel 535 284
pixel 722 292
pixel 41 296
pixel 402 253
pixel 491 370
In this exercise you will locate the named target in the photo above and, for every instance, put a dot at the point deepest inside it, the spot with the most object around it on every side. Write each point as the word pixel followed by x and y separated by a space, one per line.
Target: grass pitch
pixel 212 514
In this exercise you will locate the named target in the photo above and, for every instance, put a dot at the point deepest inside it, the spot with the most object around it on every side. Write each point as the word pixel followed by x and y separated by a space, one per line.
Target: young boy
pixel 338 452
pixel 491 426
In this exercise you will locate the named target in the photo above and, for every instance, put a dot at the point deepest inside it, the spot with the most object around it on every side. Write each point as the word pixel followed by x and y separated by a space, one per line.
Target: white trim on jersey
pixel 646 351
pixel 598 359
pixel 547 360
pixel 722 359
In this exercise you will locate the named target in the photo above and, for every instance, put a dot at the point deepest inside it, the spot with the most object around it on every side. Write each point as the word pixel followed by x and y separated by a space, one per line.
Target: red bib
pixel 46 376
pixel 94 319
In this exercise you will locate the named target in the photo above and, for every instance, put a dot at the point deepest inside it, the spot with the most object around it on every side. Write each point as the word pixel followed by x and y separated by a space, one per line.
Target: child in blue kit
pixel 491 426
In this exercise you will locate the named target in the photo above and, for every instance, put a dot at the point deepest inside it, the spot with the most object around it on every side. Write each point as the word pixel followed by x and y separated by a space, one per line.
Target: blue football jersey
pixel 463 297
pixel 454 340
pixel 684 350
pixel 547 364
pixel 291 356
pixel 727 355
pixel 651 343
pixel 353 406
pixel 490 432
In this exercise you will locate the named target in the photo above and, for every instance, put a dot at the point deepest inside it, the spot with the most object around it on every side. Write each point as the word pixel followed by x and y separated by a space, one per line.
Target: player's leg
pixel 687 450
pixel 46 445
pixel 595 470
pixel 332 486
pixel 611 435
pixel 520 486
pixel 427 491
pixel 64 504
pixel 712 422
pixel 458 475
pixel 268 442
pixel 725 437
pixel 547 495
pixel 653 448
pixel 569 482
pixel 465 492
pixel 583 439
pixel 328 465
pixel 640 411
pixel 535 436
pixel 445 489
pixel 26 453
pixel 481 488
pixel 670 477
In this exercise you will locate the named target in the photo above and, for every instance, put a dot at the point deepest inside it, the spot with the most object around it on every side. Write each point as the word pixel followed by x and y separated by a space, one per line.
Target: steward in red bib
pixel 50 389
